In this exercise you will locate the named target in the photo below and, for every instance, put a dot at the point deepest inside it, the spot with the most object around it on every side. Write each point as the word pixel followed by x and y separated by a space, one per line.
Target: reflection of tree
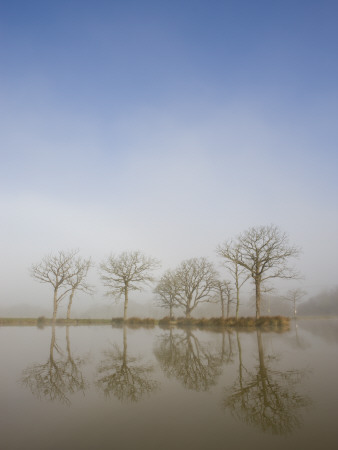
pixel 58 377
pixel 72 372
pixel 266 398
pixel 183 357
pixel 124 376
pixel 227 352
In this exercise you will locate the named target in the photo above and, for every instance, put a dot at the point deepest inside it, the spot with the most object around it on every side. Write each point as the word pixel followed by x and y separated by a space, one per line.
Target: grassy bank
pixel 266 322
pixel 42 321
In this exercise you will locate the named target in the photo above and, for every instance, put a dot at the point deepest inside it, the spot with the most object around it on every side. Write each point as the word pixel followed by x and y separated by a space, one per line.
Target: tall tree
pixel 127 272
pixel 166 291
pixel 58 271
pixel 264 252
pixel 237 272
pixel 197 281
pixel 78 281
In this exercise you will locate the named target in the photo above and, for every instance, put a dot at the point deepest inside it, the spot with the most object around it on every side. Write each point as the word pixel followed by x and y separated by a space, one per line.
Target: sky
pixel 166 127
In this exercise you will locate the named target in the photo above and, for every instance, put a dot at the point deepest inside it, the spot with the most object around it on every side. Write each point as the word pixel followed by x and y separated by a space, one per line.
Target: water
pixel 103 387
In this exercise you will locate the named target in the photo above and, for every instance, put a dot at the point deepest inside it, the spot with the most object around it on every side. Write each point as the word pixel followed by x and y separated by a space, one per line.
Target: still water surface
pixel 99 387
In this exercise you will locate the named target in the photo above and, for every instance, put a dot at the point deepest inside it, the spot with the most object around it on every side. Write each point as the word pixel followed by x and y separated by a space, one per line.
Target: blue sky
pixel 167 126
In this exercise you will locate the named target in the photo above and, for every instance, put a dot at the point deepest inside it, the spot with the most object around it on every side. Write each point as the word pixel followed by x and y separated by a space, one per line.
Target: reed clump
pixel 267 322
pixel 167 320
pixel 280 322
pixel 138 322
pixel 117 320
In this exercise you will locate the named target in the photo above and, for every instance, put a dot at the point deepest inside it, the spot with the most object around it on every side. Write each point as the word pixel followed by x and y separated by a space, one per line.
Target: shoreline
pixel 265 322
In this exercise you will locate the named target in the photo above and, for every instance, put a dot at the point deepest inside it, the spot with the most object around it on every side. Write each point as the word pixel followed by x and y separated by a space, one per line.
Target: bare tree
pixel 294 296
pixel 224 295
pixel 78 280
pixel 127 272
pixel 264 252
pixel 58 271
pixel 197 281
pixel 237 272
pixel 166 291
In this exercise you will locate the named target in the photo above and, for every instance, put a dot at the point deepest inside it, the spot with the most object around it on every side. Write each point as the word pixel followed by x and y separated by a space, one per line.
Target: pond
pixel 88 387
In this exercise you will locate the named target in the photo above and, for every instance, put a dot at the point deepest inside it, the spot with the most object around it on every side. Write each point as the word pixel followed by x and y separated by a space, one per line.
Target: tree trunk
pixel 188 309
pixel 237 300
pixel 228 308
pixel 70 303
pixel 171 312
pixel 222 303
pixel 55 304
pixel 258 297
pixel 125 303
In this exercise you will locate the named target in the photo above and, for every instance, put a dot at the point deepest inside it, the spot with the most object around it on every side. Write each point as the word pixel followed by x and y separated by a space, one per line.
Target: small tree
pixel 294 296
pixel 264 252
pixel 197 280
pixel 127 272
pixel 224 295
pixel 56 270
pixel 78 280
pixel 166 292
pixel 237 272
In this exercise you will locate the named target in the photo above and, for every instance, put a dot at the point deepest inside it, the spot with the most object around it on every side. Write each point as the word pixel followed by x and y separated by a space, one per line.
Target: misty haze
pixel 169 224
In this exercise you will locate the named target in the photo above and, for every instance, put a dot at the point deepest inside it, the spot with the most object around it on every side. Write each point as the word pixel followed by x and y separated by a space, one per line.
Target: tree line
pixel 259 253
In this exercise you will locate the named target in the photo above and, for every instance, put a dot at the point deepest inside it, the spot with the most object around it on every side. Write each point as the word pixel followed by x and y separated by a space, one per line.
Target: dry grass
pixel 12 321
pixel 273 322
pixel 42 321
pixel 138 322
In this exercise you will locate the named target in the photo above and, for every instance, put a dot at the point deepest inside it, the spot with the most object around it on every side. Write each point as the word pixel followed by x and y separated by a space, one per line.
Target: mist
pixel 323 304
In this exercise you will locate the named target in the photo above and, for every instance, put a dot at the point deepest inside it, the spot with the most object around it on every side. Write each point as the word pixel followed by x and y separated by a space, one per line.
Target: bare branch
pixel 197 280
pixel 264 252
pixel 127 272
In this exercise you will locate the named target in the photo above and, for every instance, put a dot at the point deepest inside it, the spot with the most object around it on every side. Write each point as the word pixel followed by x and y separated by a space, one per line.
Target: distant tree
pixel 294 296
pixel 323 303
pixel 166 291
pixel 264 252
pixel 58 271
pixel 127 272
pixel 78 281
pixel 197 280
pixel 237 272
pixel 224 295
